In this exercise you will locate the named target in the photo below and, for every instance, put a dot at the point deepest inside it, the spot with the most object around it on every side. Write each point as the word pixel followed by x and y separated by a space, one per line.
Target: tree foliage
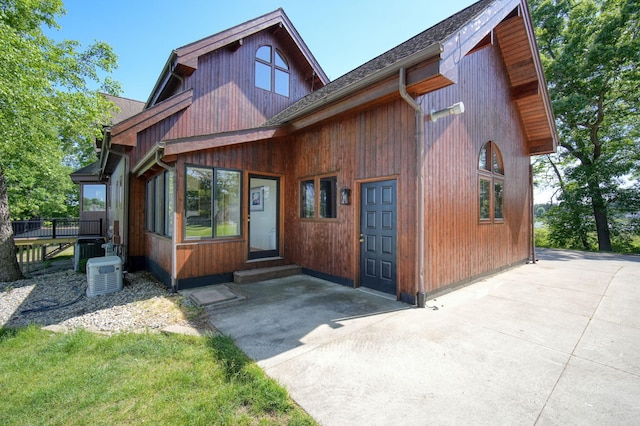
pixel 50 111
pixel 590 50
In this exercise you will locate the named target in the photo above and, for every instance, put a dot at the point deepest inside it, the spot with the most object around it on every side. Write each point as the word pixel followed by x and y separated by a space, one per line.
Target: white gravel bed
pixel 60 299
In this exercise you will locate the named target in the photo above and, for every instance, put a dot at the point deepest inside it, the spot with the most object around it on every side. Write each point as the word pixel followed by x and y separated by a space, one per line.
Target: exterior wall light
pixel 457 108
pixel 345 196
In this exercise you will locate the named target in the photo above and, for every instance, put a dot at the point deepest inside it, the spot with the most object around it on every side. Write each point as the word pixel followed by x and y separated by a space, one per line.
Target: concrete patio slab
pixel 515 348
pixel 589 393
pixel 212 295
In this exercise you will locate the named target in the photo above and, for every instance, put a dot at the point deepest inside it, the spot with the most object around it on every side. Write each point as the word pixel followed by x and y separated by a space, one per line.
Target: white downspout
pixel 125 201
pixel 421 296
pixel 174 254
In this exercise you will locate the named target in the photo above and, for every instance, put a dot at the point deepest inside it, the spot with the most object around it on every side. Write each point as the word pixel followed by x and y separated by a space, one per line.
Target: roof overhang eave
pixel 165 74
pixel 149 160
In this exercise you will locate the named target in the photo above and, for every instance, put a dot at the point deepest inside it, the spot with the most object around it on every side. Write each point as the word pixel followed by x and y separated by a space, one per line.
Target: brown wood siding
pixel 208 257
pixel 457 246
pixel 225 96
pixel 379 143
pixel 369 145
pixel 166 129
pixel 161 253
pixel 374 144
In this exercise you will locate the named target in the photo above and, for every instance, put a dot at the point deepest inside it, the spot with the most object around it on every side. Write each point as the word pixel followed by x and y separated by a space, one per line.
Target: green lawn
pixel 82 378
pixel 228 229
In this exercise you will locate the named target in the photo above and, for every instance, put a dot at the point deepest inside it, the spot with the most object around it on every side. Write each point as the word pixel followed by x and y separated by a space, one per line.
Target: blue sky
pixel 342 34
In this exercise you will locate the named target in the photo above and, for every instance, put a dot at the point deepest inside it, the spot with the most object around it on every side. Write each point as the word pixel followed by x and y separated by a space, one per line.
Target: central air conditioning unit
pixel 104 275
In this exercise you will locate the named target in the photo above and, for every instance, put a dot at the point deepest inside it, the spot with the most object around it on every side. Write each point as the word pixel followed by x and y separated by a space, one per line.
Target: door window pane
pixel 198 202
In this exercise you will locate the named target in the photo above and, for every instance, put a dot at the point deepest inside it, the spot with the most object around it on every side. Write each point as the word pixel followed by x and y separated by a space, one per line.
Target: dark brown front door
pixel 378 236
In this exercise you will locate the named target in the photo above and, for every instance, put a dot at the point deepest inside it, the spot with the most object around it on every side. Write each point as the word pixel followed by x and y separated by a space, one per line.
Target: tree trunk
pixel 9 268
pixel 601 217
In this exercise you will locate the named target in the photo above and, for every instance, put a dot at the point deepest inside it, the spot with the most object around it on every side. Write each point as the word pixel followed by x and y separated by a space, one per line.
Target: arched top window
pixel 272 70
pixel 491 159
pixel 491 183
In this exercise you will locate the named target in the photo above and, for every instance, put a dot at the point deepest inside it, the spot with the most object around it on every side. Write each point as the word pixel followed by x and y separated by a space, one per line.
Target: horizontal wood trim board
pixel 175 147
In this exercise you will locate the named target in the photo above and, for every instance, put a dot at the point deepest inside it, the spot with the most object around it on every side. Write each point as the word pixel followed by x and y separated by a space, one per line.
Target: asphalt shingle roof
pixel 437 33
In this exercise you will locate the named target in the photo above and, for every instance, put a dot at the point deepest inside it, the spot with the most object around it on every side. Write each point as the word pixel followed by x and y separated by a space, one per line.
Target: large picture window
pixel 159 206
pixel 212 203
pixel 490 183
pixel 320 190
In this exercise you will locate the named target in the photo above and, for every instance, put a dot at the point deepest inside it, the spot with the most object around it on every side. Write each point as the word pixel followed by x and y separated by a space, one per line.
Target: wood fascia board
pixel 364 84
pixel 198 143
pixel 188 55
pixel 148 161
pixel 542 146
pixel 164 76
pixel 463 41
pixel 125 131
pixel 306 52
pixel 539 70
pixel 417 77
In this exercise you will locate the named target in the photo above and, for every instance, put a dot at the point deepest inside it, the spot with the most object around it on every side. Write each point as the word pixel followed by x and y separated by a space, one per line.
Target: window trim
pixel 493 178
pixel 316 197
pixel 159 221
pixel 274 67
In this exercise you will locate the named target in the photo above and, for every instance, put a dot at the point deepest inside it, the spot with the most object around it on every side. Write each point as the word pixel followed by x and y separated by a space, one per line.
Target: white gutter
pixel 421 296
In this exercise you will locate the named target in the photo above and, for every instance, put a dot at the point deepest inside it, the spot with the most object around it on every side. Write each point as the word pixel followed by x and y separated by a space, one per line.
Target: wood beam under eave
pixel 541 146
pixel 235 45
pixel 199 143
pixel 525 90
pixel 277 28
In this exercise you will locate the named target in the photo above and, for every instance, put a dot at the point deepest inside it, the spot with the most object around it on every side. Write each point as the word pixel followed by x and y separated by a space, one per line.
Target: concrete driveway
pixel 557 342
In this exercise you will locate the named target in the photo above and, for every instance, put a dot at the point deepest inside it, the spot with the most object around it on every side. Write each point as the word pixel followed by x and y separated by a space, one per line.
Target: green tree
pixel 49 114
pixel 590 50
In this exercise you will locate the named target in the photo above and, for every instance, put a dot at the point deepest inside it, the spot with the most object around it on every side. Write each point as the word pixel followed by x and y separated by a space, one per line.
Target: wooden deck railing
pixel 55 228
pixel 38 239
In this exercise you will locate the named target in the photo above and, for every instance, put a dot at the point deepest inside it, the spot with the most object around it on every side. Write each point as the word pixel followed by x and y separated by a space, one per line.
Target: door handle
pixel 362 238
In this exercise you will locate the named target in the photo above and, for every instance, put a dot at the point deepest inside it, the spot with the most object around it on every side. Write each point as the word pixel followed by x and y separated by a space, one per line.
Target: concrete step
pixel 262 274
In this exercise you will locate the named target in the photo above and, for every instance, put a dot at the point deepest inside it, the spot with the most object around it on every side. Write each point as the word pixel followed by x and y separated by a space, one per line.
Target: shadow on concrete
pixel 288 313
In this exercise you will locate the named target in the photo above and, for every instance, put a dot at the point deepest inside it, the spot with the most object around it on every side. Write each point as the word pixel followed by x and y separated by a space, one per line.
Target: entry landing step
pixel 262 274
